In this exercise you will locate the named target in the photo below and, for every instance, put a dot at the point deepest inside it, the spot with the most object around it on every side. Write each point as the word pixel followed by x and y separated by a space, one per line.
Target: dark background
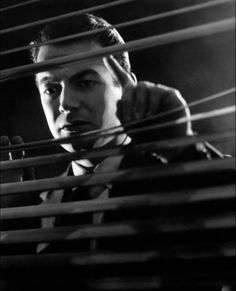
pixel 198 67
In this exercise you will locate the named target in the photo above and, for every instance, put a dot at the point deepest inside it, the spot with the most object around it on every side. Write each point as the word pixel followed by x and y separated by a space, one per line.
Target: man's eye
pixel 86 84
pixel 52 91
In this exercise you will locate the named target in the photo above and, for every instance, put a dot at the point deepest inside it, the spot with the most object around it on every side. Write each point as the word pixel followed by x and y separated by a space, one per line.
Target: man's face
pixel 80 97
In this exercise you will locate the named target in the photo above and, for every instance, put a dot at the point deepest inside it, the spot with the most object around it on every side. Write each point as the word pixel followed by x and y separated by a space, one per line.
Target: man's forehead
pixel 51 52
pixel 58 75
pixel 48 52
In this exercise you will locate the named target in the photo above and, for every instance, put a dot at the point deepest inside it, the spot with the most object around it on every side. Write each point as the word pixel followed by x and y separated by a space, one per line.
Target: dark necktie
pixel 78 194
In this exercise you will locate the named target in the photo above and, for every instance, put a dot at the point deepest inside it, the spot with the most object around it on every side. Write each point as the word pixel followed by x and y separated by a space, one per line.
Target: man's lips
pixel 76 126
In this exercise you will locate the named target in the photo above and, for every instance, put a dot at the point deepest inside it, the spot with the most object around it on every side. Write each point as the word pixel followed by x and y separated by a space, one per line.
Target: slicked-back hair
pixel 82 23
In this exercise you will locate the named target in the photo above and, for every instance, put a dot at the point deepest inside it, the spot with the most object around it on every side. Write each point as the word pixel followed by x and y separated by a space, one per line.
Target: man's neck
pixel 79 167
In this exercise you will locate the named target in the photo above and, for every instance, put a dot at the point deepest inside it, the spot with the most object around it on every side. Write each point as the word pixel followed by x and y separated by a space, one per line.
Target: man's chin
pixel 76 147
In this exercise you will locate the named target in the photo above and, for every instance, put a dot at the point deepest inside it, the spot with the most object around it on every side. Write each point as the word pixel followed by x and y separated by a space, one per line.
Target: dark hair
pixel 82 23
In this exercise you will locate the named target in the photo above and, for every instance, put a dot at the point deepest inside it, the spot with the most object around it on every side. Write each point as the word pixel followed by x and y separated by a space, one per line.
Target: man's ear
pixel 133 76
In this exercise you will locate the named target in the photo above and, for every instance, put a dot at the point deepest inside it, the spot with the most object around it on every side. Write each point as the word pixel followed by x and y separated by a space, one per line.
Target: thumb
pixel 27 173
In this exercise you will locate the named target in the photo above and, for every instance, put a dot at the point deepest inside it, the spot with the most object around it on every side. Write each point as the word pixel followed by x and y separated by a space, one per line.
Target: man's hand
pixel 141 100
pixel 15 175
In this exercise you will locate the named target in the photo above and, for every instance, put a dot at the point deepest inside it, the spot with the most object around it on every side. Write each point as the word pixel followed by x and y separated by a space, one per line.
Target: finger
pixel 142 99
pixel 172 100
pixel 172 106
pixel 123 77
pixel 155 98
pixel 27 173
pixel 17 154
pixel 4 141
pixel 175 101
pixel 125 106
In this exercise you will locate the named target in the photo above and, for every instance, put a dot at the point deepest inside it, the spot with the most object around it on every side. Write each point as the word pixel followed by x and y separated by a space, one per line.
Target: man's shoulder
pixel 197 151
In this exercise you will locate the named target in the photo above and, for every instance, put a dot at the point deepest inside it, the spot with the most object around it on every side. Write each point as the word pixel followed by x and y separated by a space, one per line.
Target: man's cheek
pixel 51 115
pixel 51 110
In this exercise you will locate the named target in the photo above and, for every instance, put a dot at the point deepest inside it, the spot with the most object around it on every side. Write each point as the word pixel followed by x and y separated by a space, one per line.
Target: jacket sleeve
pixel 198 151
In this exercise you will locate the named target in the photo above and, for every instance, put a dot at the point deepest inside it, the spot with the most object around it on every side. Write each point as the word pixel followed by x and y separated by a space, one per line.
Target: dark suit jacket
pixel 123 189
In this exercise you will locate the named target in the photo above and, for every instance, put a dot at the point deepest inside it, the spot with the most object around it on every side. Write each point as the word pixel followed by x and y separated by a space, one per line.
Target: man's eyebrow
pixel 84 73
pixel 76 76
pixel 44 80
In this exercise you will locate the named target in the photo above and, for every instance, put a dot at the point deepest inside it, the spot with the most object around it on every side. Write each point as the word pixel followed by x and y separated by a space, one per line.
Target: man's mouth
pixel 76 127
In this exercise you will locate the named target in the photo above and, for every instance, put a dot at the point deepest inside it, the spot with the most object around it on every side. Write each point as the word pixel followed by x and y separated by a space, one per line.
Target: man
pixel 101 94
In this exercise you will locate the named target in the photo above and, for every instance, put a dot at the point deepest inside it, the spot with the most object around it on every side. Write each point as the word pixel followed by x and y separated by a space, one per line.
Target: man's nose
pixel 69 100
